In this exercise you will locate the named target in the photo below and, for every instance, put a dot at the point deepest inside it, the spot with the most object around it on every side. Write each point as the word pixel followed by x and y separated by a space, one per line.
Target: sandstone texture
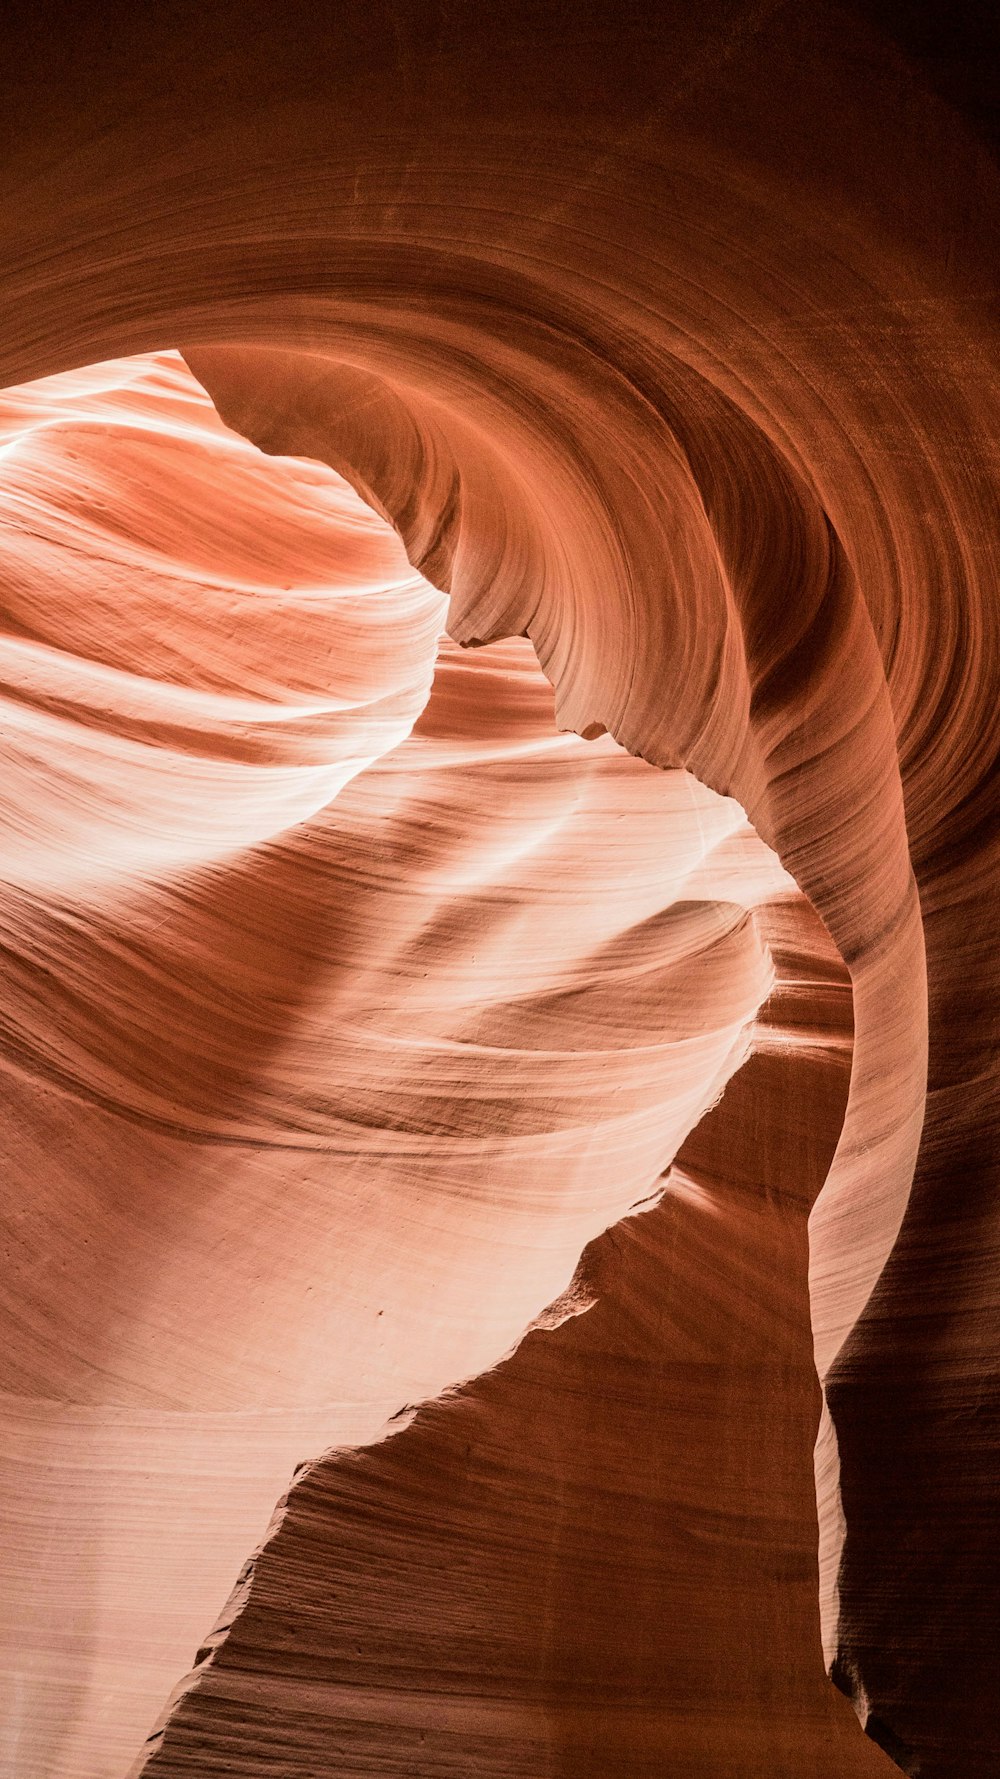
pixel 499 706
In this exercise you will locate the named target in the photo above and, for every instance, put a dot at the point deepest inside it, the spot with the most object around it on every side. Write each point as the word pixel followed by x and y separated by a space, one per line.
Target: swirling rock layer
pixel 407 1059
pixel 335 1031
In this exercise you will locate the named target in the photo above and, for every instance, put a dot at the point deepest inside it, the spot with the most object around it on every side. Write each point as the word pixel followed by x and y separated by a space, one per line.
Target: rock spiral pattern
pixel 348 1015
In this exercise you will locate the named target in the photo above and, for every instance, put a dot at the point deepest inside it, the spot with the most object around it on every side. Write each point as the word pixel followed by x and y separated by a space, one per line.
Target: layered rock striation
pixel 359 983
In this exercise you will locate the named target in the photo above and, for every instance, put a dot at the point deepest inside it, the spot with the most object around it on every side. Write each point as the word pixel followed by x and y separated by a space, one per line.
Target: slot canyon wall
pixel 499 705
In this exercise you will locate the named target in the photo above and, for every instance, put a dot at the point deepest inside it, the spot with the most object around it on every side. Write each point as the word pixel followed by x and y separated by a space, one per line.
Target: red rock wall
pixel 665 342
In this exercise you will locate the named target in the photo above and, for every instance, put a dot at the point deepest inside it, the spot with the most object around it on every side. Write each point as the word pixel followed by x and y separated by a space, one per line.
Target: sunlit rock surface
pixel 310 1127
pixel 516 1070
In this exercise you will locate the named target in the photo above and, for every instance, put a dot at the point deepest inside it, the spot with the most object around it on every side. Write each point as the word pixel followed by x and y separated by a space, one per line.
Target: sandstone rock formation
pixel 499 687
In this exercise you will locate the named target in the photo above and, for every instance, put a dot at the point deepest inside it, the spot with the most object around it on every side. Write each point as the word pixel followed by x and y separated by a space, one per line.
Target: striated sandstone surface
pixel 358 982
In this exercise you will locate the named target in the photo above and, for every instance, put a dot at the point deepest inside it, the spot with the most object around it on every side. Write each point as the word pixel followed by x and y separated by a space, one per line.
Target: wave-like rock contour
pixel 344 1012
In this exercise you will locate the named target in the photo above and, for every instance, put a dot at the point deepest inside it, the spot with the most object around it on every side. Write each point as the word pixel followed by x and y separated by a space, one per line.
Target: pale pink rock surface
pixel 308 1126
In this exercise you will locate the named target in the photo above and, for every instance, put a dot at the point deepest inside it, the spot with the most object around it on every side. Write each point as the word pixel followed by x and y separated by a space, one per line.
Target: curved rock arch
pixel 657 296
